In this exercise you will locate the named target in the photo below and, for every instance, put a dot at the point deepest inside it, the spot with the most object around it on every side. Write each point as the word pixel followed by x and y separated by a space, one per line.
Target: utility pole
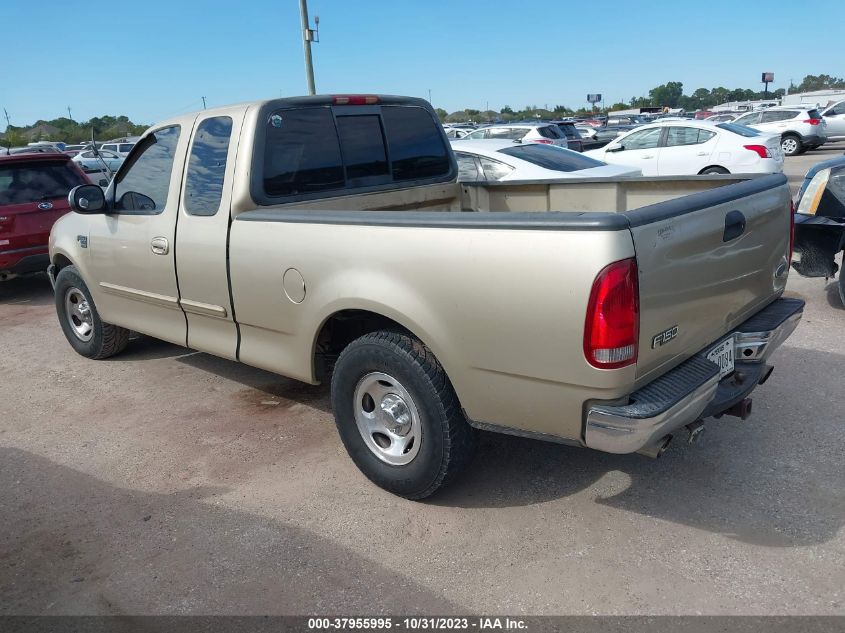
pixel 8 122
pixel 68 114
pixel 429 95
pixel 308 35
pixel 203 103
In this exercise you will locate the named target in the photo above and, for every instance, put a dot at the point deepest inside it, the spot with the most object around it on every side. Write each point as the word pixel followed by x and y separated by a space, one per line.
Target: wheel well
pixel 726 171
pixel 792 134
pixel 340 330
pixel 60 261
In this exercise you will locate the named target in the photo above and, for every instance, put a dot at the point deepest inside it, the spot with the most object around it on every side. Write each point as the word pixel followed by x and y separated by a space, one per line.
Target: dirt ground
pixel 166 481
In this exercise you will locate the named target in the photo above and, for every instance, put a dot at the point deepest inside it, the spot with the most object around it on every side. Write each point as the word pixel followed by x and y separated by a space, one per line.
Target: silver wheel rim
pixel 78 314
pixel 789 145
pixel 387 419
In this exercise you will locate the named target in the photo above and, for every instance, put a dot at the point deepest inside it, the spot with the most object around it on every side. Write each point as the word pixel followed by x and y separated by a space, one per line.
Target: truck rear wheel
pixel 398 415
pixel 86 332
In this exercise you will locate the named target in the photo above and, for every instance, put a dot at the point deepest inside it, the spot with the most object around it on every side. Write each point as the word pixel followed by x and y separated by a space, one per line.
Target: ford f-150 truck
pixel 325 238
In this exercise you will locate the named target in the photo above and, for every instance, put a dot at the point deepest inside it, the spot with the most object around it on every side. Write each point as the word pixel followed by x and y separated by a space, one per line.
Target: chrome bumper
pixel 689 392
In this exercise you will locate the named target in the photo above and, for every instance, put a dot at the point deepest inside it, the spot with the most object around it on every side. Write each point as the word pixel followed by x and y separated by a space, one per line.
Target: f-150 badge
pixel 664 337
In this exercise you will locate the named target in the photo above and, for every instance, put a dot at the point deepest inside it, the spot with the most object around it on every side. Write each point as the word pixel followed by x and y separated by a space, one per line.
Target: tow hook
pixel 695 430
pixel 741 409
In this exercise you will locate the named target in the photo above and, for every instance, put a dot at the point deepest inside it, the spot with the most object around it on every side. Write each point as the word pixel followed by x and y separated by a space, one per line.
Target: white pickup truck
pixel 326 239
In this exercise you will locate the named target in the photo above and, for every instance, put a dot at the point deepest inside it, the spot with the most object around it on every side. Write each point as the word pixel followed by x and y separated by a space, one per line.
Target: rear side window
pixel 302 153
pixel 36 181
pixel 551 157
pixel 813 114
pixel 207 166
pixel 415 143
pixel 687 136
pixel 467 169
pixel 362 146
pixel 771 116
pixel 125 147
pixel 514 133
pixel 549 131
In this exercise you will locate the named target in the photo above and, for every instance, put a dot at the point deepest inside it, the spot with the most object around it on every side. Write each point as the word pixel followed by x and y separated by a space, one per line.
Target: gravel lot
pixel 168 481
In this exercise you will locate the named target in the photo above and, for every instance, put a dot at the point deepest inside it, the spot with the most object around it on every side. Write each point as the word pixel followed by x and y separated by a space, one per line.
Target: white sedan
pixel 685 148
pixel 509 160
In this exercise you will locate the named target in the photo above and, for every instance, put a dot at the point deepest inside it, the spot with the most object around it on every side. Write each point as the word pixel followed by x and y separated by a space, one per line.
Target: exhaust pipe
pixel 695 430
pixel 741 409
pixel 656 449
pixel 766 373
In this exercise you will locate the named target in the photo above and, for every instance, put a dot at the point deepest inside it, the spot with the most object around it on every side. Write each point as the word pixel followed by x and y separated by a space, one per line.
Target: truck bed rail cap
pixel 549 221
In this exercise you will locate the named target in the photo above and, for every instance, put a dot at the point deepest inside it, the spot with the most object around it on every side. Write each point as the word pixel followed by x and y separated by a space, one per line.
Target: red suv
pixel 33 195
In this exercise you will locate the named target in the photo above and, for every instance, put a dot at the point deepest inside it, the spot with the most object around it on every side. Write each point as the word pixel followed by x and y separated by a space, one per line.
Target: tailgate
pixel 706 263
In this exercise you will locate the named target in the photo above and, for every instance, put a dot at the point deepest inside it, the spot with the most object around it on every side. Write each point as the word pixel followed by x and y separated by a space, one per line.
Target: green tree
pixel 820 82
pixel 441 114
pixel 506 110
pixel 668 94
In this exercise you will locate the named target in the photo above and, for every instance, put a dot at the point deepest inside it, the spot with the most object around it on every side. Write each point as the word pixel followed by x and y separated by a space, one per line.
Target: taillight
pixel 354 99
pixel 813 121
pixel 762 150
pixel 612 327
pixel 544 141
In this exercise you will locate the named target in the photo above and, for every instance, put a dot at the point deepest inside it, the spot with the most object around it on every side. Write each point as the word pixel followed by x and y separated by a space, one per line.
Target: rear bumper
pixel 813 139
pixel 23 261
pixel 693 390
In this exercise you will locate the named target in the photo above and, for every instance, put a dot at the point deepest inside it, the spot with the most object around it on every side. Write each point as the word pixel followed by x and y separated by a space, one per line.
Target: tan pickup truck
pixel 326 239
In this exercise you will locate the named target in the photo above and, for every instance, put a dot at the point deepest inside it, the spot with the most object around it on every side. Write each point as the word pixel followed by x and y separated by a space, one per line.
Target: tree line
pixel 70 131
pixel 670 94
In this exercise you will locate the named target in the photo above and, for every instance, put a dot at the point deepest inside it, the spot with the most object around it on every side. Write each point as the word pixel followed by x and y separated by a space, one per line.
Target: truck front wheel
pixel 86 332
pixel 398 415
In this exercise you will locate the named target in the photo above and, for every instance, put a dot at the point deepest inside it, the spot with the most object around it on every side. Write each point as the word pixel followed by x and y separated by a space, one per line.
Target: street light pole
pixel 307 36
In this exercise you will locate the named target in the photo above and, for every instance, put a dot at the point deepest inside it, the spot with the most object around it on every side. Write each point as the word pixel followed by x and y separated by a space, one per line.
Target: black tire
pixel 447 441
pixel 105 339
pixel 791 145
pixel 714 170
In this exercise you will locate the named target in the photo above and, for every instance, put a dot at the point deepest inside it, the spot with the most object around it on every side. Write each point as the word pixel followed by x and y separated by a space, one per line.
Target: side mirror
pixel 615 148
pixel 88 199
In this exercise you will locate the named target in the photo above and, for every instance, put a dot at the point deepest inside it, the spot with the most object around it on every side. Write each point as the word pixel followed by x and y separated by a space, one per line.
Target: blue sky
pixel 153 59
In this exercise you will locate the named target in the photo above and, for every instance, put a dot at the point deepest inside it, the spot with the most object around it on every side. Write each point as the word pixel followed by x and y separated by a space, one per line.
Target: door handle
pixel 649 156
pixel 159 246
pixel 734 226
pixel 701 154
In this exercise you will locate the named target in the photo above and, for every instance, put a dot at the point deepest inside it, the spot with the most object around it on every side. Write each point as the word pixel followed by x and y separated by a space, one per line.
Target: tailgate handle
pixel 734 226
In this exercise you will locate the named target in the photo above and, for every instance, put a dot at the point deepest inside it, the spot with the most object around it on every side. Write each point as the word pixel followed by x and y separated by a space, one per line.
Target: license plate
pixel 723 356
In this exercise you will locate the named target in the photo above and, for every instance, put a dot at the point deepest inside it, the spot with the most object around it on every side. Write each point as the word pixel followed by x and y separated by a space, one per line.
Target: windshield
pixel 736 128
pixel 31 182
pixel 550 157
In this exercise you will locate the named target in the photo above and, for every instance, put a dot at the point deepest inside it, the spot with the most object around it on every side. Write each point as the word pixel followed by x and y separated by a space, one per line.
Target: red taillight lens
pixel 612 327
pixel 813 121
pixel 762 150
pixel 354 99
pixel 544 141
